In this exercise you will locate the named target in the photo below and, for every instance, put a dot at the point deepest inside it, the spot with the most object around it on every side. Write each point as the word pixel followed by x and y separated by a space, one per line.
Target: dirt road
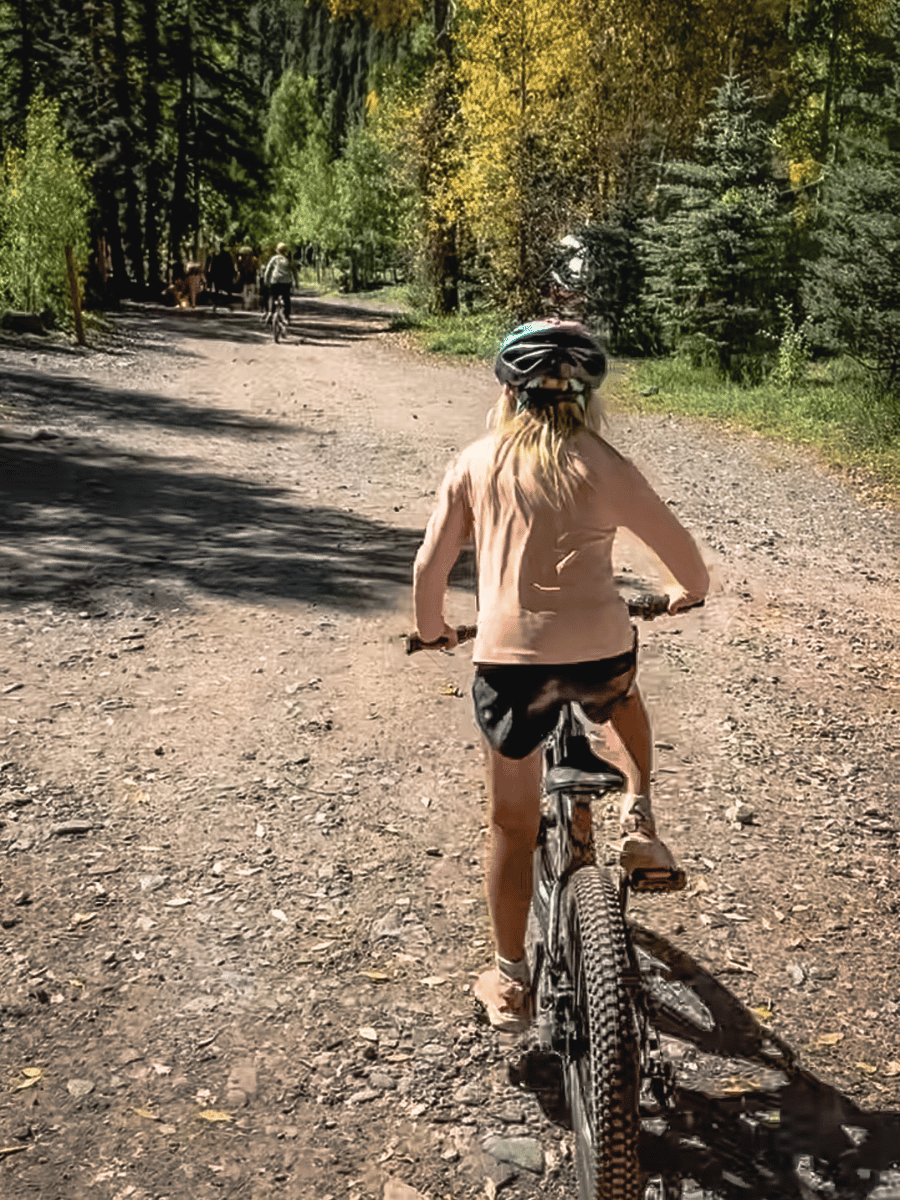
pixel 241 834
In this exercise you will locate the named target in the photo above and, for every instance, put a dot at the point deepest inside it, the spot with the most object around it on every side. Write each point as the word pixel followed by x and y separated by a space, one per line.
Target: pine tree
pixel 714 252
pixel 853 289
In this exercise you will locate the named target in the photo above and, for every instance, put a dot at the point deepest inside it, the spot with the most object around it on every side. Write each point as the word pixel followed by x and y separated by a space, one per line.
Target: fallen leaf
pixel 866 1068
pixel 4 1150
pixel 145 1113
pixel 829 1039
pixel 368 1033
pixel 82 918
pixel 162 1069
pixel 214 1114
pixel 320 946
pixel 893 1067
pixel 33 1076
pixel 434 980
pixel 278 914
pixel 177 902
pixel 764 1014
pixel 376 976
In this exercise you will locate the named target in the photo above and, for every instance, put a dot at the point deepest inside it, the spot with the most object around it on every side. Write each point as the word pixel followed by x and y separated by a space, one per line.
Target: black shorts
pixel 517 706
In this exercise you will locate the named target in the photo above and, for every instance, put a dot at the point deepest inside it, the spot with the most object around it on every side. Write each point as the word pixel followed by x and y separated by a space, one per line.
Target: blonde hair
pixel 533 443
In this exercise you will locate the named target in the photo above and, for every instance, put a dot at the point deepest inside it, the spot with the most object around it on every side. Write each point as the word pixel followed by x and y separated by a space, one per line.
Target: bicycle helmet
pixel 563 349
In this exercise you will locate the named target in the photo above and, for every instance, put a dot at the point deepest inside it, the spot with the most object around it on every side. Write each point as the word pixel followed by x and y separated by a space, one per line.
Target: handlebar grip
pixel 414 643
pixel 649 606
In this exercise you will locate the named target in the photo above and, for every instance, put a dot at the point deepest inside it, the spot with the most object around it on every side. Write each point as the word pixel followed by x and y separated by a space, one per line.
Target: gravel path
pixel 241 834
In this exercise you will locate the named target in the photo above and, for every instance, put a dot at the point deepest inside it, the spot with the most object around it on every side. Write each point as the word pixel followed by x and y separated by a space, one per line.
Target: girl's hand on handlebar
pixel 682 601
pixel 445 641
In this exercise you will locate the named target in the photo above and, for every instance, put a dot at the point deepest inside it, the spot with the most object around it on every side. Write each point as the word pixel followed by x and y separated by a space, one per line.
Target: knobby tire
pixel 603 1075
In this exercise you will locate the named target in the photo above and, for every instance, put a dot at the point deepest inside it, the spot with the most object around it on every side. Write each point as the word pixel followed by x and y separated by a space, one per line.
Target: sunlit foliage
pixel 44 207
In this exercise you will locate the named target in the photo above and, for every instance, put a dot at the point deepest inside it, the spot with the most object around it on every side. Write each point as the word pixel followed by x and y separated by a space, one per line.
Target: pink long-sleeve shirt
pixel 546 592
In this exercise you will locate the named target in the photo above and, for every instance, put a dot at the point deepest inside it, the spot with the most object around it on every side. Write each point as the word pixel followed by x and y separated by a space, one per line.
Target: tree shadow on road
pixel 77 517
pixel 738 1116
pixel 53 399
pixel 313 321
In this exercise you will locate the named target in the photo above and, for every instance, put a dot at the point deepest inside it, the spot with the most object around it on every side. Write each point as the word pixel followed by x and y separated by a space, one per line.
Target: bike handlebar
pixel 646 607
pixel 465 633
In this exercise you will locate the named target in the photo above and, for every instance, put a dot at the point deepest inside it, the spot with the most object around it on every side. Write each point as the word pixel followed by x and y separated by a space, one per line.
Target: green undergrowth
pixel 834 410
pixel 468 335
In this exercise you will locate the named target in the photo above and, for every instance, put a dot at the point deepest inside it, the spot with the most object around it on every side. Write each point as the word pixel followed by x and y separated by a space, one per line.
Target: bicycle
pixel 588 996
pixel 280 324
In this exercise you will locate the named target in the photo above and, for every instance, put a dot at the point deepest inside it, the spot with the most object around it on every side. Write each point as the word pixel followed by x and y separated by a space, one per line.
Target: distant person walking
pixel 221 275
pixel 195 280
pixel 278 278
pixel 247 267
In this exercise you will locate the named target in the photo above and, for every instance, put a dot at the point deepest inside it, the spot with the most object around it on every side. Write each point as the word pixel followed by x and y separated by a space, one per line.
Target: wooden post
pixel 75 294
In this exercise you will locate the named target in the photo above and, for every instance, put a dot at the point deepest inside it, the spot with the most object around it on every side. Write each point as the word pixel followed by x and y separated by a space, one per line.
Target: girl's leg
pixel 515 818
pixel 631 726
pixel 644 856
pixel 515 790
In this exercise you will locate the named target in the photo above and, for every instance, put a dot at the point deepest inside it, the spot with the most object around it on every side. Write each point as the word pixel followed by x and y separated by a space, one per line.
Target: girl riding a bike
pixel 543 495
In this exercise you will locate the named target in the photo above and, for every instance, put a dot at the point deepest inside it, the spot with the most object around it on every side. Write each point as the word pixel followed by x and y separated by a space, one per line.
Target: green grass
pixel 468 335
pixel 834 410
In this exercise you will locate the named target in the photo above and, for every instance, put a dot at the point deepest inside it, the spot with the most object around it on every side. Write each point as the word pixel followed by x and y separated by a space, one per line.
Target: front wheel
pixel 602 1062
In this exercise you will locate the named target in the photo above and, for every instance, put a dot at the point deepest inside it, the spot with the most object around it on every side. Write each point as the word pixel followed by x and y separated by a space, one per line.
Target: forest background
pixel 711 183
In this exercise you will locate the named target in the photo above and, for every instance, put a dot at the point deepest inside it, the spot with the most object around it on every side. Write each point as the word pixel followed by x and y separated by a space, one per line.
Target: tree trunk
pixel 26 66
pixel 153 200
pixel 128 158
pixel 127 165
pixel 182 206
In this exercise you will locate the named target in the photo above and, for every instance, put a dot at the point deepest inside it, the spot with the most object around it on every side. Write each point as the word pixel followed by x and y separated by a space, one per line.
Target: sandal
pixel 507 1001
pixel 645 859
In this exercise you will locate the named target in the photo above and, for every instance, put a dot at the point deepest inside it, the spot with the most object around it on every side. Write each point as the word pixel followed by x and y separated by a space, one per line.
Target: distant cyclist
pixel 277 279
pixel 543 495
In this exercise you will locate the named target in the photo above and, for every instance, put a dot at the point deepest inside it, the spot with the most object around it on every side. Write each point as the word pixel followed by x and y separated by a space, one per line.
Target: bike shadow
pixel 741 1117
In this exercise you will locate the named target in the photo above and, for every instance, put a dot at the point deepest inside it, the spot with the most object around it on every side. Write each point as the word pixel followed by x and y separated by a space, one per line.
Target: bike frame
pixel 570 815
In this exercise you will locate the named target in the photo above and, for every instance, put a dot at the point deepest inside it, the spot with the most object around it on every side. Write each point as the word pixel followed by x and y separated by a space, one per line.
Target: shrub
pixel 44 207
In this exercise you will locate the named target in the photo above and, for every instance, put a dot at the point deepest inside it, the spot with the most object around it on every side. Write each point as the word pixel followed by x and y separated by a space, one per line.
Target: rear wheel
pixel 602 1062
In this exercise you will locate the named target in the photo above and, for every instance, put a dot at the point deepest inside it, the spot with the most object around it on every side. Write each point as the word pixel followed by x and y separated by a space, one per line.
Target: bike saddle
pixel 580 767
